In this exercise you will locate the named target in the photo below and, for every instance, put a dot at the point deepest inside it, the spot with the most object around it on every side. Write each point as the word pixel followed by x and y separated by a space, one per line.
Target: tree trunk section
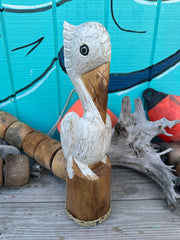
pixel 88 201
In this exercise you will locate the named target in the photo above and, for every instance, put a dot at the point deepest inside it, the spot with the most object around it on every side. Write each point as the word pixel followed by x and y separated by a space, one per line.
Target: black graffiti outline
pixel 35 10
pixel 172 61
pixel 157 0
pixel 37 42
pixel 122 29
pixel 32 83
pixel 143 75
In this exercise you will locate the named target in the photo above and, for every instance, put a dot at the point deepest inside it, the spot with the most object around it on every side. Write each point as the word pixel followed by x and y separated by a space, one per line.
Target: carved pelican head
pixel 87 52
pixel 86 47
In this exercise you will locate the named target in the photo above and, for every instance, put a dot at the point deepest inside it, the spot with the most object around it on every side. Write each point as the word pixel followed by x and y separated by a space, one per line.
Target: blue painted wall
pixel 33 86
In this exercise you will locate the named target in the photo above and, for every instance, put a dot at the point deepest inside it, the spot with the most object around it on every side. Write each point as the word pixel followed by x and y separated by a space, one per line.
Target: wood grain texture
pixel 134 132
pixel 16 133
pixel 36 211
pixel 140 220
pixel 96 82
pixel 125 185
pixel 86 140
pixel 6 120
pixel 45 152
pixel 59 165
pixel 31 142
pixel 89 200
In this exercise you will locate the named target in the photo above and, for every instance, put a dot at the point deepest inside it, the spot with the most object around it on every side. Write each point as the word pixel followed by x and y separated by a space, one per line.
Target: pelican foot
pixel 104 159
pixel 86 171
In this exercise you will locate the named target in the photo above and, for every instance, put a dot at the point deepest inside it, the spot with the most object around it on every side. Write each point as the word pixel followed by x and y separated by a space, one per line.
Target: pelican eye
pixel 84 50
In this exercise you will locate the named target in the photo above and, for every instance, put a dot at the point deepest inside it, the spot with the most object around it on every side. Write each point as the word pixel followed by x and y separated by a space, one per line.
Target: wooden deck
pixel 36 211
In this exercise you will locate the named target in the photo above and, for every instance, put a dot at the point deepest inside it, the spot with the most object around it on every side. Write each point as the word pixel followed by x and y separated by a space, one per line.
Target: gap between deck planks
pixel 36 211
pixel 126 185
pixel 136 219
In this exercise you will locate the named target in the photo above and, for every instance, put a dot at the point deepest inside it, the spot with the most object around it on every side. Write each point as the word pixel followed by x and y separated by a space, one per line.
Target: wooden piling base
pixel 88 201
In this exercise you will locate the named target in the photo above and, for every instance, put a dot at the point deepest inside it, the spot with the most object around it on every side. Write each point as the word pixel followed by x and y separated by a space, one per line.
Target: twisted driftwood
pixel 131 146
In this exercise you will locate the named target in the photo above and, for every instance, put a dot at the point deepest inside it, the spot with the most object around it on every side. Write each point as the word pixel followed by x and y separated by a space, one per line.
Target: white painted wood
pixel 85 140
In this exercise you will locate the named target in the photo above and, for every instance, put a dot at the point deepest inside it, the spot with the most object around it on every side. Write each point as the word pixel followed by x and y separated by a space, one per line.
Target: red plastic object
pixel 78 108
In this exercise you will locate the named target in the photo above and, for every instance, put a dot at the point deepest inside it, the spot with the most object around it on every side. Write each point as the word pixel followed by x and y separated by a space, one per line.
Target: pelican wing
pixel 69 131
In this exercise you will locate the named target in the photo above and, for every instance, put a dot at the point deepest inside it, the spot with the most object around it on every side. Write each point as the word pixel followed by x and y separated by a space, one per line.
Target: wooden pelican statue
pixel 85 141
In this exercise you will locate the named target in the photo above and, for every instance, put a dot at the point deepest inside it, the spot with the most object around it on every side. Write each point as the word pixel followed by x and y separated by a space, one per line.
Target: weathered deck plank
pixel 36 211
pixel 139 219
pixel 126 185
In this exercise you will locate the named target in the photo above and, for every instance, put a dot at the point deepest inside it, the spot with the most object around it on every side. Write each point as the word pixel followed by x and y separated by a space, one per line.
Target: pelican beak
pixel 96 82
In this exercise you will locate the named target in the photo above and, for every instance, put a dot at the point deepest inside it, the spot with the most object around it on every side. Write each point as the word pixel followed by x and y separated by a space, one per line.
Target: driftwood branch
pixel 131 146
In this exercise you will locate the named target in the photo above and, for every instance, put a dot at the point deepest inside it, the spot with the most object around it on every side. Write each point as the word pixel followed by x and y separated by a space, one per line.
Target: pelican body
pixel 85 141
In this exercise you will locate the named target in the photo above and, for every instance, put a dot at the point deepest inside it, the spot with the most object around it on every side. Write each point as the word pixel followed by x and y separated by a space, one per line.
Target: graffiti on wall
pixel 12 8
pixel 121 78
pixel 118 81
